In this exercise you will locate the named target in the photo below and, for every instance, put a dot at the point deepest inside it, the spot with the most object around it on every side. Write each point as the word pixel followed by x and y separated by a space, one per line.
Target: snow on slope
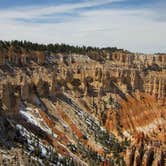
pixel 32 116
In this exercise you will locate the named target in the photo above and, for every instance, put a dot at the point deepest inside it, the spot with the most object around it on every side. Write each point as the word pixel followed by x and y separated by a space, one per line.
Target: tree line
pixel 55 48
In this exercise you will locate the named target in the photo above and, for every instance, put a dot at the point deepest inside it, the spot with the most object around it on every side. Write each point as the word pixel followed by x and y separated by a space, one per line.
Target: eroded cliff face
pixel 86 110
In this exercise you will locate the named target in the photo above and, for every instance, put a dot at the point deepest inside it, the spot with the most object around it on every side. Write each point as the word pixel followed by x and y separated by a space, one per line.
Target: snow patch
pixel 126 134
pixel 150 127
pixel 37 121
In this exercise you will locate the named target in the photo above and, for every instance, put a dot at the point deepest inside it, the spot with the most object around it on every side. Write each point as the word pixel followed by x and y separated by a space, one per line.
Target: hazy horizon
pixel 134 25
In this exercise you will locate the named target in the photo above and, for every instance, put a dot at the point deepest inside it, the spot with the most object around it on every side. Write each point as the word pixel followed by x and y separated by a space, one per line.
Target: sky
pixel 135 25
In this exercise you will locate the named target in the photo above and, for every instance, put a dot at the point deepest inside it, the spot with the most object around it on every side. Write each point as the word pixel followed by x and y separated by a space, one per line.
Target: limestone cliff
pixel 89 109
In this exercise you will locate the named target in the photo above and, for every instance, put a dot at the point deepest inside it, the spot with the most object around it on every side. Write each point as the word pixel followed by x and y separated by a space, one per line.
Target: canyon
pixel 98 108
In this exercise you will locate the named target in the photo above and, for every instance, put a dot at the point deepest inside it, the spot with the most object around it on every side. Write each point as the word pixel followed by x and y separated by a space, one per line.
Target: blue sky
pixel 136 25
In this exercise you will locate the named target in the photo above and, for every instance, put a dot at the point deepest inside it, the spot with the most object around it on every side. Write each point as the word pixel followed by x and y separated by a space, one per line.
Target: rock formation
pixel 90 109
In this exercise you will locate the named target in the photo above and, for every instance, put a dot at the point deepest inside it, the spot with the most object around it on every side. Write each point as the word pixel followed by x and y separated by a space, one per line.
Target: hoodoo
pixel 65 105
